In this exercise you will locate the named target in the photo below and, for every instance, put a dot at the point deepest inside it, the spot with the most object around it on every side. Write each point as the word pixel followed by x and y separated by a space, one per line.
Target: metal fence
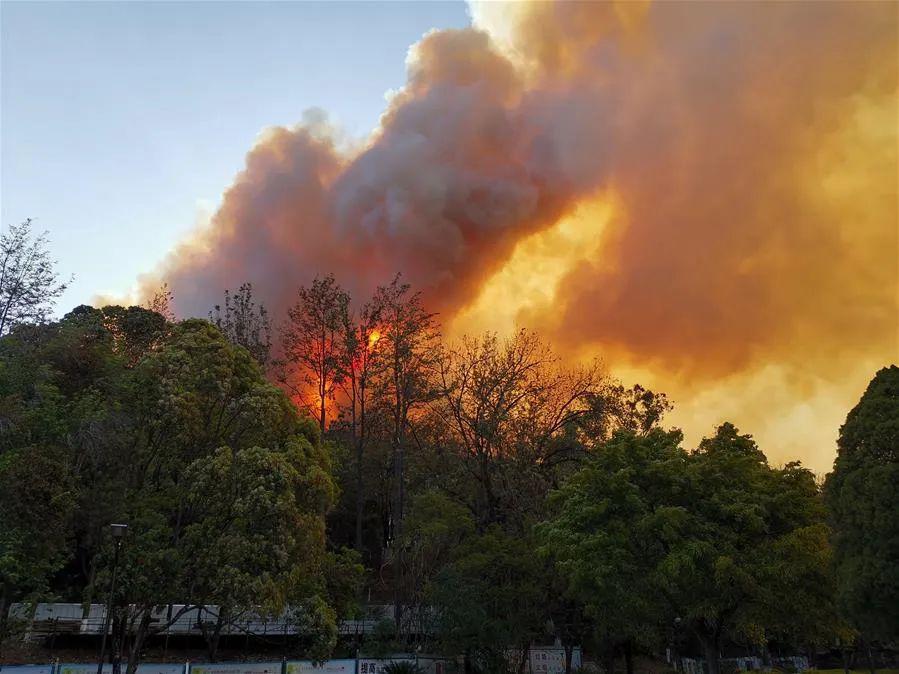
pixel 797 663
pixel 428 664
pixel 45 619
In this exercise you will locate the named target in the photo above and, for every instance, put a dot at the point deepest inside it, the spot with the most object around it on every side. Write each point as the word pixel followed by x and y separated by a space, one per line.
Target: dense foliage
pixel 647 534
pixel 494 495
pixel 116 415
pixel 863 495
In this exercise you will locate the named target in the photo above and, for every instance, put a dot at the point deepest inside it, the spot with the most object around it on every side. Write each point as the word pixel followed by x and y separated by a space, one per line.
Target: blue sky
pixel 120 122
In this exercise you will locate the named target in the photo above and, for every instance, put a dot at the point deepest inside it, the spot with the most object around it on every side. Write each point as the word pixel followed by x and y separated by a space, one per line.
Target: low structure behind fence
pixel 428 665
pixel 794 663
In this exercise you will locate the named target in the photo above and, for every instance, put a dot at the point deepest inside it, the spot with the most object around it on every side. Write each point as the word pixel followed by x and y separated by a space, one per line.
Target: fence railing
pixel 428 664
pixel 46 619
pixel 796 663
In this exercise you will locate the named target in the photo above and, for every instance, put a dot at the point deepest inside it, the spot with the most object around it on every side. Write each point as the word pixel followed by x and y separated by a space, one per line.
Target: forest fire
pixel 373 337
pixel 662 186
pixel 567 357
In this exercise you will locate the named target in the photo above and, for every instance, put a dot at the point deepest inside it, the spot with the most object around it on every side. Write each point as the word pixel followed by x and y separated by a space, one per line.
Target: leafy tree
pixel 227 487
pixel 382 641
pixel 63 393
pixel 507 405
pixel 732 546
pixel 360 367
pixel 569 620
pixel 435 528
pixel 161 302
pixel 253 544
pixel 93 355
pixel 616 408
pixel 40 419
pixel 489 600
pixel 118 416
pixel 863 499
pixel 29 284
pixel 402 667
pixel 344 578
pixel 410 348
pixel 245 323
pixel 754 547
pixel 312 340
pixel 36 500
pixel 610 527
pixel 135 331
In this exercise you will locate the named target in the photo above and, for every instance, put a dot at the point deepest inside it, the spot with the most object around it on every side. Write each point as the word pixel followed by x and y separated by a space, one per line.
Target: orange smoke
pixel 704 193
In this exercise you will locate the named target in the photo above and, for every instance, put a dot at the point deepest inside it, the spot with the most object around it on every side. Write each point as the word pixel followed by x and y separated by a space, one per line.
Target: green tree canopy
pixel 489 600
pixel 116 415
pixel 647 533
pixel 863 499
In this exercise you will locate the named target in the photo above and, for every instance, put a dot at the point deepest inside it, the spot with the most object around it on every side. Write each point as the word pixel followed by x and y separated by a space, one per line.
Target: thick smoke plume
pixel 704 193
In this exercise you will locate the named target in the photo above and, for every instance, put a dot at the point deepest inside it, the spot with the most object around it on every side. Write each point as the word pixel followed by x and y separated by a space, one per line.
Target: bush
pixel 402 668
pixel 382 641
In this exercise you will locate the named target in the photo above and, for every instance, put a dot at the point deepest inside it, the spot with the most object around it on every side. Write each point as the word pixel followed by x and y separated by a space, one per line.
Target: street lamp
pixel 118 534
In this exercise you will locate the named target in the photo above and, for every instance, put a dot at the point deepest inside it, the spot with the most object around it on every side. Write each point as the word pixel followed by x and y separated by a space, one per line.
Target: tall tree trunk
pixel 569 650
pixel 359 436
pixel 360 502
pixel 217 635
pixel 487 484
pixel 399 494
pixel 397 541
pixel 89 591
pixel 812 654
pixel 525 657
pixel 629 656
pixel 360 481
pixel 710 650
pixel 213 637
pixel 137 644
pixel 871 667
pixel 608 656
pixel 322 385
pixel 5 605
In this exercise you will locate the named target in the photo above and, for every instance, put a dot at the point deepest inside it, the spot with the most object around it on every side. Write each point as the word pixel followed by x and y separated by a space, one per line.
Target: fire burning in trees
pixel 702 193
pixel 373 338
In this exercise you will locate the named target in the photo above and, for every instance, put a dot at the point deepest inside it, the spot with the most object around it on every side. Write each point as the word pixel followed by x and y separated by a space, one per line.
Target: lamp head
pixel 118 530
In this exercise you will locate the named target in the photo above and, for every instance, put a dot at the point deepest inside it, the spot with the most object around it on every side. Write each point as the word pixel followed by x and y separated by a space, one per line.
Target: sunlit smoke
pixel 705 194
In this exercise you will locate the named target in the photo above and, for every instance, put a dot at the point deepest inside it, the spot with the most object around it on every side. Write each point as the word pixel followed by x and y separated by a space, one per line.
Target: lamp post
pixel 118 535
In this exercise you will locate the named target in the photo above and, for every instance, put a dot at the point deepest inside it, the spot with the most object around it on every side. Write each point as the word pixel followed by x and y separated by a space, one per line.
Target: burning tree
pixel 361 365
pixel 313 341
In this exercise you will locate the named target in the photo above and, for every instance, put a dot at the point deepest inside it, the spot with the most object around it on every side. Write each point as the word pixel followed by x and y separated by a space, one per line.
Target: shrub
pixel 402 668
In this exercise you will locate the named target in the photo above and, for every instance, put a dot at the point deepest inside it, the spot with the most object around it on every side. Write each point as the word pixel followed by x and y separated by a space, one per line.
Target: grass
pixel 863 670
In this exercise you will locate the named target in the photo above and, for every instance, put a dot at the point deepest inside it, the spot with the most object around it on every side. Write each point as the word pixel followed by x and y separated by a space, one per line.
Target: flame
pixel 373 338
